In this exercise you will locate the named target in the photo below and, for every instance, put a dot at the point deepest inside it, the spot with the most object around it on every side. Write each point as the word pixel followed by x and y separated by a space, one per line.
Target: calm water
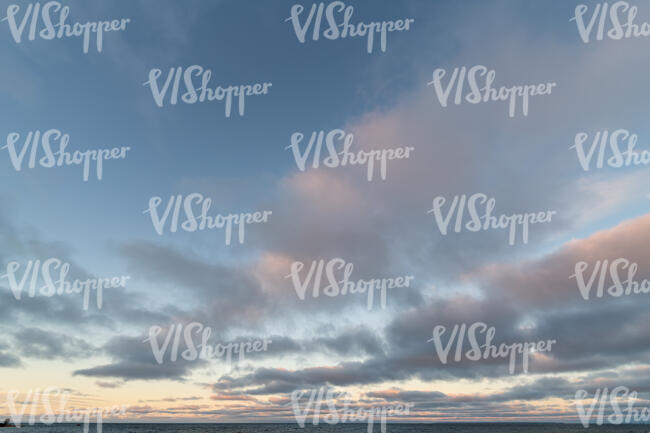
pixel 339 428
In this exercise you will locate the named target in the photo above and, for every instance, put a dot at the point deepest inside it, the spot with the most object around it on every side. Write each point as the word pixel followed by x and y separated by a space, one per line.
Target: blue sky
pixel 241 163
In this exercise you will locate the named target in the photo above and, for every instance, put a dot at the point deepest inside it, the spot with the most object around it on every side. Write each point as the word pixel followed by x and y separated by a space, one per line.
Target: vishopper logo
pixel 203 221
pixel 203 93
pixel 486 221
pixel 51 28
pixel 621 284
pixel 182 336
pixel 338 16
pixel 362 412
pixel 342 284
pixel 490 351
pixel 52 137
pixel 41 411
pixel 618 18
pixel 619 396
pixel 343 157
pixel 57 285
pixel 486 93
pixel 615 140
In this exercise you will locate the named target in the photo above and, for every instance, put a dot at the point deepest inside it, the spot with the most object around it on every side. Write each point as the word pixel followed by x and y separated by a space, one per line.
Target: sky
pixel 244 163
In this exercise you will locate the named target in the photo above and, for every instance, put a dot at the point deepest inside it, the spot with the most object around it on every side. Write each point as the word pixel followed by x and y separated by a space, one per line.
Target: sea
pixel 338 428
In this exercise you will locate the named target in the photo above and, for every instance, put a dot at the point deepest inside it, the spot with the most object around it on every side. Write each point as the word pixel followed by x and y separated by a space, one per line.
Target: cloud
pixel 586 339
pixel 383 228
pixel 109 385
pixel 38 343
pixel 134 359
